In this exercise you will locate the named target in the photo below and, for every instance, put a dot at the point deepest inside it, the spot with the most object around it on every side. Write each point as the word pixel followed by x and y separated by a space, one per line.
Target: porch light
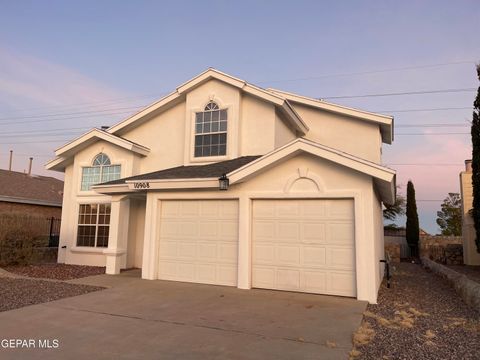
pixel 223 182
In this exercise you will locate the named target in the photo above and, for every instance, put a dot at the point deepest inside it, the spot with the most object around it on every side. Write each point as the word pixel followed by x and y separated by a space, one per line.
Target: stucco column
pixel 150 243
pixel 116 253
pixel 244 280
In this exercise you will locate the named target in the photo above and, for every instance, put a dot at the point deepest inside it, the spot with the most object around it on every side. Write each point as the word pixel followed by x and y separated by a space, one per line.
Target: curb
pixel 468 290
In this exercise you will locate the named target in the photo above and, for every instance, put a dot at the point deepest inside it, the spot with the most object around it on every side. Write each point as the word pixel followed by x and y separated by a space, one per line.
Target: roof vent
pixel 104 127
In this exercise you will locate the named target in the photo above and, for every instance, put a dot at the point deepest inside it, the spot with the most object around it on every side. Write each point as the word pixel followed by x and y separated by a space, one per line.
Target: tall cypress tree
pixel 412 227
pixel 475 131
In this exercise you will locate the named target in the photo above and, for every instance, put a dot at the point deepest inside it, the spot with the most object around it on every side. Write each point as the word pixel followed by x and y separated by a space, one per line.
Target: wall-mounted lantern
pixel 223 182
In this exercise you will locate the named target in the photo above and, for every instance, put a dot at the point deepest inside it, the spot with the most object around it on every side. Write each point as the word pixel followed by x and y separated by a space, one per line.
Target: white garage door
pixel 304 245
pixel 199 241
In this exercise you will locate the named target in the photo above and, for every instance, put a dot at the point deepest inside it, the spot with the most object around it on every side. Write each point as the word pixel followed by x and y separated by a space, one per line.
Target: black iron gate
pixel 54 233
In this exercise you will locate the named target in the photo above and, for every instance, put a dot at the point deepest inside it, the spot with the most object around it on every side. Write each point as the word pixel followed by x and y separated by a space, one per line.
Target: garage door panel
pixel 186 251
pixel 206 273
pixel 288 232
pixel 168 249
pixel 199 241
pixel 287 211
pixel 314 233
pixel 340 233
pixel 341 258
pixel 168 268
pixel 229 230
pixel 304 245
pixel 206 250
pixel 189 208
pixel 263 210
pixel 264 254
pixel 342 283
pixel 228 209
pixel 169 229
pixel 263 230
pixel 171 210
pixel 315 281
pixel 208 229
pixel 288 279
pixel 314 210
pixel 227 274
pixel 340 209
pixel 263 277
pixel 288 255
pixel 209 209
pixel 314 256
pixel 227 253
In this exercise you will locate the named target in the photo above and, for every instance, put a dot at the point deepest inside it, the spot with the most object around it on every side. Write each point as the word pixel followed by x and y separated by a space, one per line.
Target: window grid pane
pixel 110 173
pixel 90 176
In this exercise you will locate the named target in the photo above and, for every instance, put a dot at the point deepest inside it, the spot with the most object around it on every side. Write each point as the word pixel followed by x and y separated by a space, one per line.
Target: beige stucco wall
pixel 283 131
pixel 356 137
pixel 470 254
pixel 257 129
pixel 324 179
pixel 164 135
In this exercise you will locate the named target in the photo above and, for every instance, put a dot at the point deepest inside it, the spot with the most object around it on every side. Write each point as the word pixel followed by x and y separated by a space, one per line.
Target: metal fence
pixel 45 231
pixel 54 232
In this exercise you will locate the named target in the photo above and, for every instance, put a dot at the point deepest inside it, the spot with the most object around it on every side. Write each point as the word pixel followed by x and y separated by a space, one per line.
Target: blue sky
pixel 74 65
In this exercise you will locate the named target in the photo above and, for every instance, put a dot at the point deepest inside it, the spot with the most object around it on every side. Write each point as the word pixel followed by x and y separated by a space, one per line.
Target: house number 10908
pixel 141 185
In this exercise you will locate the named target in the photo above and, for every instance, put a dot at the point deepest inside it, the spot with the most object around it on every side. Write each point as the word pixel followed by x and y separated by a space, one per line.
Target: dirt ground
pixel 55 271
pixel 419 317
pixel 20 292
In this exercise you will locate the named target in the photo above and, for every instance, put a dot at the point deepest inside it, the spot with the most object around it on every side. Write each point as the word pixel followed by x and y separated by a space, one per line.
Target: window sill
pixel 209 159
pixel 88 249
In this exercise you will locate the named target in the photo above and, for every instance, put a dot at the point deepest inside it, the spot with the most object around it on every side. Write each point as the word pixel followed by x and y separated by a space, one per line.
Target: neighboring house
pixel 470 254
pixel 30 194
pixel 302 210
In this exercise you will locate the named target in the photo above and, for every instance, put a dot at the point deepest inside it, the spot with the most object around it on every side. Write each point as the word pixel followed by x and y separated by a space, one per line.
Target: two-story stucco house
pixel 223 182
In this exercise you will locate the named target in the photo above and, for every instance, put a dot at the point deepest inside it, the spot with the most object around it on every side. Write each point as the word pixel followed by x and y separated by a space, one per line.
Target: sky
pixel 67 66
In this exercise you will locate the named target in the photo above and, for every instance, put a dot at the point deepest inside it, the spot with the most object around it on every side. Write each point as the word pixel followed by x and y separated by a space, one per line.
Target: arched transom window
pixel 101 171
pixel 211 131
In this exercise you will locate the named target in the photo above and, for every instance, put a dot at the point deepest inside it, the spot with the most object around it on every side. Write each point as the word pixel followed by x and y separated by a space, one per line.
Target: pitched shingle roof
pixel 192 171
pixel 19 187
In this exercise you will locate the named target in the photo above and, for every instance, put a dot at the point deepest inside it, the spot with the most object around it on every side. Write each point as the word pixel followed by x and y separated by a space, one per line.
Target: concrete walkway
pixel 141 319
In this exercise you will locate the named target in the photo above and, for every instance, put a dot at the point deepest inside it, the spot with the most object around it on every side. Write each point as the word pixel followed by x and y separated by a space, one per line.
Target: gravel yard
pixel 55 271
pixel 17 292
pixel 472 272
pixel 419 317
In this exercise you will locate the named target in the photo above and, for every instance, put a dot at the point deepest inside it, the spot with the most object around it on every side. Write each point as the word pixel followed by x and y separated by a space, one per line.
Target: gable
pixel 65 153
pixel 279 102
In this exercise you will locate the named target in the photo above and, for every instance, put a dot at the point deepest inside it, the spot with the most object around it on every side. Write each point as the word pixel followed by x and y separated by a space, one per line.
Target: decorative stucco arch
pixel 304 180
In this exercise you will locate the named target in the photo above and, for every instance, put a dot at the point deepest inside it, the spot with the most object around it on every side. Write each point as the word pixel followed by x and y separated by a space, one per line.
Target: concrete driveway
pixel 140 319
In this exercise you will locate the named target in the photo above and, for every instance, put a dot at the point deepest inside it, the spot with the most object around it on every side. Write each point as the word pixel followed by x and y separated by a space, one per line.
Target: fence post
pixel 50 235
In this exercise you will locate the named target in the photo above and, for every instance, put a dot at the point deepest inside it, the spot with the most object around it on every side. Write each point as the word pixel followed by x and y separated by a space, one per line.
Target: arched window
pixel 211 131
pixel 101 171
pixel 101 160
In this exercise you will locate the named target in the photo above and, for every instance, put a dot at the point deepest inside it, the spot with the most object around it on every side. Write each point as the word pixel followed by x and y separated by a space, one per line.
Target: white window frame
pixel 97 225
pixel 212 106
